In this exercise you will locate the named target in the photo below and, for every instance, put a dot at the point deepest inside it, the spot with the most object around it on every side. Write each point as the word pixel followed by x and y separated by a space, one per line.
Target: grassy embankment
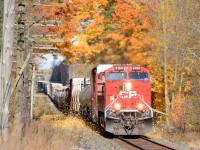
pixel 190 139
pixel 51 130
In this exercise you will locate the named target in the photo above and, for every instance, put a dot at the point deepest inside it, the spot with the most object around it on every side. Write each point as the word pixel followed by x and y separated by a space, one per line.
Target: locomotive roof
pixel 103 67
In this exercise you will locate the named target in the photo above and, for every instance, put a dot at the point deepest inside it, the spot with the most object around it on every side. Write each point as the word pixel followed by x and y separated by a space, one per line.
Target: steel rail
pixel 131 144
pixel 146 139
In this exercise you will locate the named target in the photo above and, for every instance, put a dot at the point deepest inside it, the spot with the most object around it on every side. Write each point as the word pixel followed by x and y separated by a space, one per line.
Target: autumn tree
pixel 105 31
pixel 110 31
pixel 119 33
pixel 174 61
pixel 70 17
pixel 127 32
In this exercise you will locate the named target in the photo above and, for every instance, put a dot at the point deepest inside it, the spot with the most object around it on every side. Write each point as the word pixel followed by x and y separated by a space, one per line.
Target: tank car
pixel 120 99
pixel 85 101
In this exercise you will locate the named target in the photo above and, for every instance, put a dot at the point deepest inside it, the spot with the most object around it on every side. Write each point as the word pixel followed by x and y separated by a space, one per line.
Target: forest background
pixel 160 35
pixel 163 36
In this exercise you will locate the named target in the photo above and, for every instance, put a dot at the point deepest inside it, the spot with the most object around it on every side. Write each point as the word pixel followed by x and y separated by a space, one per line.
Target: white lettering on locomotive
pixel 127 94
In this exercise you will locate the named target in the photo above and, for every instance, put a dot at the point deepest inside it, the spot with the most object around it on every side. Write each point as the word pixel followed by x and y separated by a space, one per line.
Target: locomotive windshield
pixel 138 75
pixel 116 76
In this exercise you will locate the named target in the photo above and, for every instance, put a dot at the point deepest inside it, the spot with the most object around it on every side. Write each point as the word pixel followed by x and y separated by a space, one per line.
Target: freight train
pixel 117 97
pixel 58 93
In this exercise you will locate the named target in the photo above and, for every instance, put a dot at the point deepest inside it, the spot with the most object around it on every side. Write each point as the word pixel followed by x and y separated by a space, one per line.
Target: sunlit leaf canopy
pixel 108 31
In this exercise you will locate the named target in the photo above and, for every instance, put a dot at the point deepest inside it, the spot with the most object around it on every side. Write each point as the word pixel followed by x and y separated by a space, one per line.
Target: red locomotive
pixel 119 99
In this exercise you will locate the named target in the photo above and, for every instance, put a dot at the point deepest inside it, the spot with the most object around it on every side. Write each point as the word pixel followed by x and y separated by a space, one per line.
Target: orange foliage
pixel 124 31
pixel 116 31
pixel 178 104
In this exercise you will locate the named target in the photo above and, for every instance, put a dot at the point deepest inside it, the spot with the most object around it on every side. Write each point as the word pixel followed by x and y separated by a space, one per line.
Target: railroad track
pixel 141 143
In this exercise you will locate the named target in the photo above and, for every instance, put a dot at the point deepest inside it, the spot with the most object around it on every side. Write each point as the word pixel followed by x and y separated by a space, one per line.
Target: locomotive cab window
pixel 138 76
pixel 116 76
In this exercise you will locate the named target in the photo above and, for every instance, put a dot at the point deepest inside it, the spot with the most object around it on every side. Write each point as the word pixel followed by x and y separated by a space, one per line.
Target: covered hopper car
pixel 76 86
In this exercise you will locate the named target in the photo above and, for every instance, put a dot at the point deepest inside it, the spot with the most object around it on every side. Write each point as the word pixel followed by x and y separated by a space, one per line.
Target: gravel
pixel 173 145
pixel 97 142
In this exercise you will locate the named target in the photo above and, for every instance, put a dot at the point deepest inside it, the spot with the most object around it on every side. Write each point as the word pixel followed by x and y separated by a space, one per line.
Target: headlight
pixel 117 106
pixel 128 86
pixel 140 106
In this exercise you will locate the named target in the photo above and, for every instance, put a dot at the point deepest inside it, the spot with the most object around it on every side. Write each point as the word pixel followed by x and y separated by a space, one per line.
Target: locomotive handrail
pixel 154 110
pixel 160 112
pixel 145 103
pixel 106 109
pixel 111 103
pixel 137 95
pixel 140 96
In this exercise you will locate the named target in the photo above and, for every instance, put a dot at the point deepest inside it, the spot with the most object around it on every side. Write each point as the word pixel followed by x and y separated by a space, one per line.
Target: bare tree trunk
pixel 181 83
pixel 175 75
pixel 32 91
pixel 6 64
pixel 165 45
pixel 20 59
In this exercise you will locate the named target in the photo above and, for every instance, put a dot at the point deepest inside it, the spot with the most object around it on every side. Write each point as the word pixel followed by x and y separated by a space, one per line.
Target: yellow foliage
pixel 178 105
pixel 115 29
pixel 115 36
